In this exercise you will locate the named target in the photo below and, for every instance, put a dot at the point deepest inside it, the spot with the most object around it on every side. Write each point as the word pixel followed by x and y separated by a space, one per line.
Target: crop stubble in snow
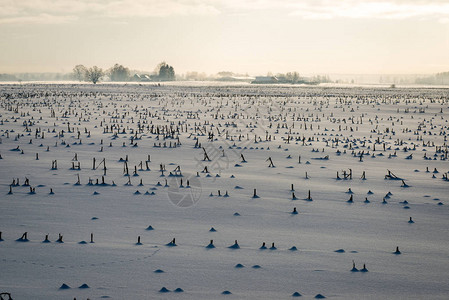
pixel 171 162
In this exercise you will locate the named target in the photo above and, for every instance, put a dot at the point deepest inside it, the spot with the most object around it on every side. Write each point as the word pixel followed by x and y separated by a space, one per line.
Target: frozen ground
pixel 310 134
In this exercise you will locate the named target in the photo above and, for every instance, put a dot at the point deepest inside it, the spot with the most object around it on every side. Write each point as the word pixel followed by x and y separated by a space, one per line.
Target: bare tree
pixel 119 73
pixel 94 74
pixel 80 72
pixel 295 77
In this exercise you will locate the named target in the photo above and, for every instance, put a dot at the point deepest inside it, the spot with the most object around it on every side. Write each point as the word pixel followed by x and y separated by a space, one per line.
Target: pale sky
pixel 254 36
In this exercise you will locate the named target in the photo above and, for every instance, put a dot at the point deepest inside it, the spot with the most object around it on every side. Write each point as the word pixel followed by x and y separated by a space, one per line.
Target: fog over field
pixel 217 191
pixel 251 36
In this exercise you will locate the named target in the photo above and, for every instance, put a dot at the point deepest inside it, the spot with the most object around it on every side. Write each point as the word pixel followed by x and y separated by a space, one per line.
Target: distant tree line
pixel 163 72
pixel 289 77
pixel 35 77
pixel 196 76
pixel 8 77
pixel 295 78
pixel 437 79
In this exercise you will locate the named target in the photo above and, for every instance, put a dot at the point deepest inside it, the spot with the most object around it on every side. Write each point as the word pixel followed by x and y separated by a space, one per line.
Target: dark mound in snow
pixel 64 287
pixel 235 246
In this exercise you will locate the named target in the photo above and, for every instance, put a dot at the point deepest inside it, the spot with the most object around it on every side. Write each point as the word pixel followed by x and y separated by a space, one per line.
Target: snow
pixel 173 212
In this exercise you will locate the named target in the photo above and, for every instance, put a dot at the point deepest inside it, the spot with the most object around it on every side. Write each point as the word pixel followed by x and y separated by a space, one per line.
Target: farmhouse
pixel 142 77
pixel 265 79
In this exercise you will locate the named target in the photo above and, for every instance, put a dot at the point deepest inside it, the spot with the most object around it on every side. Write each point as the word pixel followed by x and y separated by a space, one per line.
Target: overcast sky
pixel 255 36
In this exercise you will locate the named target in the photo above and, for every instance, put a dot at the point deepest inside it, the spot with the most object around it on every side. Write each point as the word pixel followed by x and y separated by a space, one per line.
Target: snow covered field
pixel 185 158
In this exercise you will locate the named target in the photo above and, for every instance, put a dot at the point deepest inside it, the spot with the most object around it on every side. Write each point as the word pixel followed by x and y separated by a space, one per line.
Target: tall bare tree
pixel 94 74
pixel 80 72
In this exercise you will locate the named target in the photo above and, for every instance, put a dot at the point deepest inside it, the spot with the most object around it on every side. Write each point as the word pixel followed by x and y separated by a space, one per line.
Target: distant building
pixel 236 78
pixel 265 79
pixel 141 77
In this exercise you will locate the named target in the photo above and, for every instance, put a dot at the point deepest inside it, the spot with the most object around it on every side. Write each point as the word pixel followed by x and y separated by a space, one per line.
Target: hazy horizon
pixel 254 37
